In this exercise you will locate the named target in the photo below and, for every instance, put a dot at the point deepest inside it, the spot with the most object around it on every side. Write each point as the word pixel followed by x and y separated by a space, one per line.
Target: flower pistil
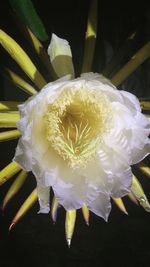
pixel 75 123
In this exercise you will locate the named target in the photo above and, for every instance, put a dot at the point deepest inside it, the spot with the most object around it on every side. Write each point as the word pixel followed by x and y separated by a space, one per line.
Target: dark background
pixel 35 241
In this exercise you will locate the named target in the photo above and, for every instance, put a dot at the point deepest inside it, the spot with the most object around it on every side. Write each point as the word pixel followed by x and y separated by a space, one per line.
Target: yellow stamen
pixel 76 123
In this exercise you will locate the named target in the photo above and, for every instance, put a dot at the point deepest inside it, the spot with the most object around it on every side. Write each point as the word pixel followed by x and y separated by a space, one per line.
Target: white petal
pixel 23 156
pixel 109 173
pixel 140 145
pixel 119 171
pixel 122 183
pixel 131 101
pixel 142 121
pixel 122 116
pixel 43 198
pixel 101 206
pixel 90 76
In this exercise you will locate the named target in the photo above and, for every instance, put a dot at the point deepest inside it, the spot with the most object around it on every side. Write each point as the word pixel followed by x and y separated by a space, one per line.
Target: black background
pixel 125 240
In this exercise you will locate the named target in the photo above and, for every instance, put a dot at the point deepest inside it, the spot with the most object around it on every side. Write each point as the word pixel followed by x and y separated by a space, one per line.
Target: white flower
pixel 81 137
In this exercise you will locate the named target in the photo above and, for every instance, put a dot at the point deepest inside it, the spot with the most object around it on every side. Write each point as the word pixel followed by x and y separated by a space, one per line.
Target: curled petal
pixel 43 197
pixel 60 56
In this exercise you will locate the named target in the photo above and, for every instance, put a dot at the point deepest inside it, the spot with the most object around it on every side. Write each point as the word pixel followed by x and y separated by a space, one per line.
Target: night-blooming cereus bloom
pixel 81 137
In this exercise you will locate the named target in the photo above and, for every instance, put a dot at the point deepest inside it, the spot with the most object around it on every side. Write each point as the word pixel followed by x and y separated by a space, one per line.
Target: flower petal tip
pixel 43 211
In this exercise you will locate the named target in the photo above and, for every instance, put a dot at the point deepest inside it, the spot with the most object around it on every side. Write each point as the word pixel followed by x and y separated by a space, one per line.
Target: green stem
pixel 136 60
pixel 90 38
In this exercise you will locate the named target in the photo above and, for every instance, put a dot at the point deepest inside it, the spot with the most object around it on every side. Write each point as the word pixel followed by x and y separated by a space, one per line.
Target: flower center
pixel 76 123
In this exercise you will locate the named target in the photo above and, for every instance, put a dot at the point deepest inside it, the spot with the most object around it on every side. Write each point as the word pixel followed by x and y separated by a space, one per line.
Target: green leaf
pixel 28 14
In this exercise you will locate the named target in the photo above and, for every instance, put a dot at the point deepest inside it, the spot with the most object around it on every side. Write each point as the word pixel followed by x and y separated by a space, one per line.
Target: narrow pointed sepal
pixel 144 169
pixel 9 105
pixel 136 60
pixel 9 119
pixel 69 225
pixel 9 171
pixel 145 105
pixel 147 116
pixel 28 14
pixel 22 59
pixel 137 190
pixel 9 135
pixel 119 203
pixel 18 81
pixel 117 58
pixel 28 203
pixel 54 209
pixel 17 184
pixel 133 198
pixel 90 37
pixel 39 49
pixel 86 214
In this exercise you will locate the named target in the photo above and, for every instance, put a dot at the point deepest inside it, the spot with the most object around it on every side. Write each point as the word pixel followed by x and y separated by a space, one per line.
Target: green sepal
pixel 26 11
